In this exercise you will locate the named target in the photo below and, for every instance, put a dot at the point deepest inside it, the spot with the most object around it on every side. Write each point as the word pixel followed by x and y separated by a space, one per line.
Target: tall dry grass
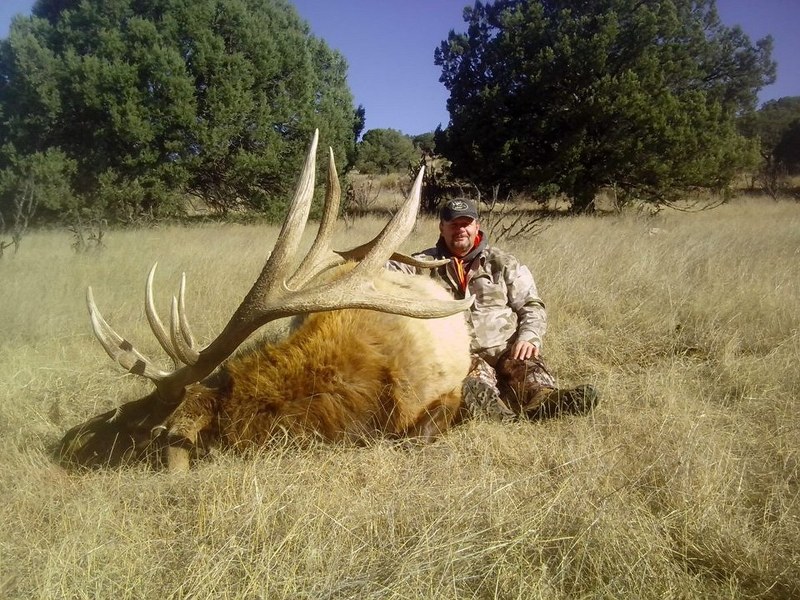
pixel 683 484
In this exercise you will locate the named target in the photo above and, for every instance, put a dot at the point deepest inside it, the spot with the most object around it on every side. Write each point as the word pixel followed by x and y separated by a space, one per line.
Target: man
pixel 508 378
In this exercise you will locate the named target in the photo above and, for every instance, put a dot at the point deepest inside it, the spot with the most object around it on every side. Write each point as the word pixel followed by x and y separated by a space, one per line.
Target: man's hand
pixel 524 350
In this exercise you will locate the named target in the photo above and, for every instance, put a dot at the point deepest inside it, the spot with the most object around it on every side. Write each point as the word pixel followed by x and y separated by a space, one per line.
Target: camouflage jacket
pixel 507 305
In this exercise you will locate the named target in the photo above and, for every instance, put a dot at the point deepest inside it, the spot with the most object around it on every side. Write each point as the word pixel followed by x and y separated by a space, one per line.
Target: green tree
pixel 787 151
pixel 570 96
pixel 37 184
pixel 215 98
pixel 425 142
pixel 385 151
pixel 774 126
pixel 771 121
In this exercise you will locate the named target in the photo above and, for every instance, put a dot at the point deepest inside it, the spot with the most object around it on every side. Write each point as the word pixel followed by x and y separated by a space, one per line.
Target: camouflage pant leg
pixel 523 384
pixel 480 394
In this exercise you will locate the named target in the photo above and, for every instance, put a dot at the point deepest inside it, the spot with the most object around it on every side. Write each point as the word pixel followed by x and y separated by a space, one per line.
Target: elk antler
pixel 278 292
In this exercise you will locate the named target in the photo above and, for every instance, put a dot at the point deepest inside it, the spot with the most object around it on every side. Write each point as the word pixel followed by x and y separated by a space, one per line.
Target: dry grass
pixel 683 484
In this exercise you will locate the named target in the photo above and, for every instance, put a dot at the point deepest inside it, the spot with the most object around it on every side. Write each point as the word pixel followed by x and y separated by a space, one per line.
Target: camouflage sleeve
pixel 523 298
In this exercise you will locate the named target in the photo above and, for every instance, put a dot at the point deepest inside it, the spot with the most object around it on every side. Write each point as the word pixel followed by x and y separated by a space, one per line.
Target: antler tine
pixel 156 325
pixel 316 259
pixel 359 252
pixel 182 345
pixel 395 232
pixel 275 270
pixel 181 351
pixel 118 348
pixel 186 331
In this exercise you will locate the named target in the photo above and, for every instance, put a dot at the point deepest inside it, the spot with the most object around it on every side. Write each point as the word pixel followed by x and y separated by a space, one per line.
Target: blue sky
pixel 389 46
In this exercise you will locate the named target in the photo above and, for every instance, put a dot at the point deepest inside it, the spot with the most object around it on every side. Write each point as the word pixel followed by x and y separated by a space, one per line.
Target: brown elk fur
pixel 345 375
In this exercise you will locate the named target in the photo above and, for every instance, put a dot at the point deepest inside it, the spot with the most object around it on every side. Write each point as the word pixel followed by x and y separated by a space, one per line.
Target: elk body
pixel 379 353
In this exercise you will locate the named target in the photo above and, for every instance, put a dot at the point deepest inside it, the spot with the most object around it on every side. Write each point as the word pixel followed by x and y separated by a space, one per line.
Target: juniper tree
pixel 152 100
pixel 570 96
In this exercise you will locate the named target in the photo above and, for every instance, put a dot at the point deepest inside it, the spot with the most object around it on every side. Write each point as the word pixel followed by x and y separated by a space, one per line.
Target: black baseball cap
pixel 458 207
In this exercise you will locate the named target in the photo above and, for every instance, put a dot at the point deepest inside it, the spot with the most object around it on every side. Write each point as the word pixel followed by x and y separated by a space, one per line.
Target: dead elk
pixel 380 354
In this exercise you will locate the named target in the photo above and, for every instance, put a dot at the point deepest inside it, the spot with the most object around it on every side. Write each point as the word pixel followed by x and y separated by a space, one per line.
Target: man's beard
pixel 461 245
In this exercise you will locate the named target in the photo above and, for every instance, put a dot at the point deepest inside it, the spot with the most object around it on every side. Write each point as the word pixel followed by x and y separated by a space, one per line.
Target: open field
pixel 684 483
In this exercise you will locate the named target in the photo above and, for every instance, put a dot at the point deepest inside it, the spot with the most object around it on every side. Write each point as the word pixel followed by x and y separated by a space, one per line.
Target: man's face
pixel 459 234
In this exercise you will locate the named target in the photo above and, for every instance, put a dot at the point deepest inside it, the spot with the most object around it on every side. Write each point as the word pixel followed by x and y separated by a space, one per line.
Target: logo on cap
pixel 458 207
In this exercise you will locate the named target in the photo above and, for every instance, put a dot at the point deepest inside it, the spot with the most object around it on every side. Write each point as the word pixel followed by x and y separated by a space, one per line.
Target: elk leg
pixel 195 414
pixel 177 459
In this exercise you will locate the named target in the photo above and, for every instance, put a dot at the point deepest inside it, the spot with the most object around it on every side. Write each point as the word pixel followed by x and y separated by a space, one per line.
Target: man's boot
pixel 525 384
pixel 554 402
